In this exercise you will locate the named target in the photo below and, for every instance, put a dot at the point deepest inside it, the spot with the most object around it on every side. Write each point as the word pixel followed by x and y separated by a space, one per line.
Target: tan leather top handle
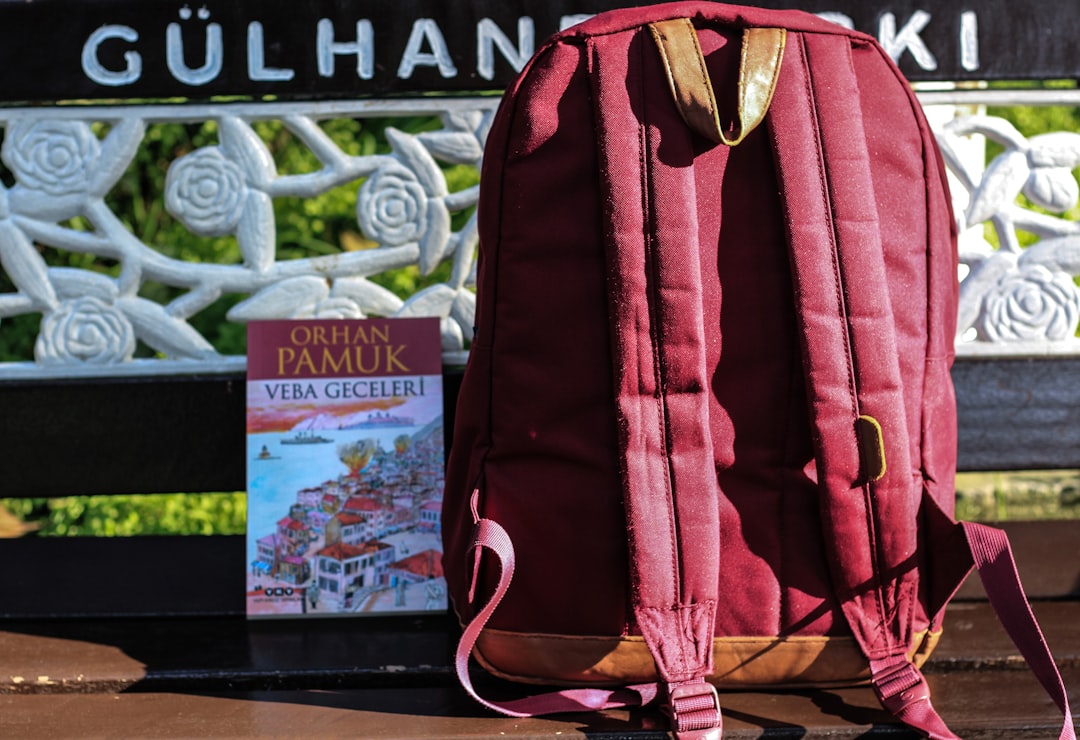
pixel 759 67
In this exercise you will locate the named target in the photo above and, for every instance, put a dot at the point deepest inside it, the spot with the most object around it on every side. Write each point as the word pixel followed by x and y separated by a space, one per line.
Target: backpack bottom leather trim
pixel 740 662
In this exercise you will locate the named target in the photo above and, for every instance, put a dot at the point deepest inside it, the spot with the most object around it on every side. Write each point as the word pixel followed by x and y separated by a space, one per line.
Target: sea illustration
pixel 345 500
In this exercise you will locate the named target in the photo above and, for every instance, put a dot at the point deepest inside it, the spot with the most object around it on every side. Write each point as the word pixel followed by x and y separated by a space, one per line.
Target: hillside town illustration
pixel 366 540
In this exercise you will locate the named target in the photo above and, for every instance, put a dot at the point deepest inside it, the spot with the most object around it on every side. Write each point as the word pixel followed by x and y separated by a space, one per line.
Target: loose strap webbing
pixel 994 560
pixel 848 337
pixel 849 356
pixel 903 690
pixel 489 536
pixel 661 384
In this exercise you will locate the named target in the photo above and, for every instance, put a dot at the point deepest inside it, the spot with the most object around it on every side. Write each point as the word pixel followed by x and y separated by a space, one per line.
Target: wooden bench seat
pixel 979 703
pixel 980 706
pixel 225 676
pixel 221 654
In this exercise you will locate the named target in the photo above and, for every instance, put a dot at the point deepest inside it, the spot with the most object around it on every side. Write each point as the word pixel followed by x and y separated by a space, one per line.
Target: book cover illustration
pixel 345 467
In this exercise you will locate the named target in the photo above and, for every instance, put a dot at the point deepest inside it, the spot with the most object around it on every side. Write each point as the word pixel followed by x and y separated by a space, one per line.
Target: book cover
pixel 345 467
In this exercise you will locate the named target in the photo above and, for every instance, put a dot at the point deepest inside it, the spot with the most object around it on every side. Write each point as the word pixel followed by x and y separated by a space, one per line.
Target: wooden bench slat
pixel 133 435
pixel 100 577
pixel 186 433
pixel 80 577
pixel 979 706
pixel 85 656
pixel 123 435
pixel 95 656
pixel 1017 414
pixel 136 435
pixel 974 639
pixel 1047 556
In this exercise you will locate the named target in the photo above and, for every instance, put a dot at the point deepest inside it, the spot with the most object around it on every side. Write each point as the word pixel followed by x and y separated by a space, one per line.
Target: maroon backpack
pixel 707 434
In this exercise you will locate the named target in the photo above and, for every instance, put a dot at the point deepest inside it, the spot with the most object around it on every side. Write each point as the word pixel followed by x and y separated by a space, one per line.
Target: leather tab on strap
pixel 871 448
pixel 688 77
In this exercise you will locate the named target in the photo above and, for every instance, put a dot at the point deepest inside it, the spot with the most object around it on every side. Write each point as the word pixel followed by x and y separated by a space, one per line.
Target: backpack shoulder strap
pixel 869 503
pixel 869 508
pixel 661 383
pixel 661 388
pixel 848 340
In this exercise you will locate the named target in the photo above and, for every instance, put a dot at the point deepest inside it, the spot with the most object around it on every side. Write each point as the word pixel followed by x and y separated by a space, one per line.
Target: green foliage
pixel 323 225
pixel 1033 494
pixel 980 496
pixel 1037 119
pixel 18 333
pixel 1031 120
pixel 122 516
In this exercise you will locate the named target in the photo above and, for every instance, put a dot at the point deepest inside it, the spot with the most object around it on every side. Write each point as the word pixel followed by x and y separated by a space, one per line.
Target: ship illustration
pixel 306 438
pixel 264 454
pixel 379 420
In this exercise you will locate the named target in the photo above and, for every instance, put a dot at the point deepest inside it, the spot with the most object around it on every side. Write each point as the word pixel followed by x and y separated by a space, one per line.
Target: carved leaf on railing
pixel 1015 294
pixel 63 170
pixel 167 334
pixel 25 266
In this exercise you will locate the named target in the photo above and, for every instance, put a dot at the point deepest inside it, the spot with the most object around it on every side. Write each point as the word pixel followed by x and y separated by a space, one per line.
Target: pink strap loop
pixel 489 535
pixel 903 690
pixel 994 560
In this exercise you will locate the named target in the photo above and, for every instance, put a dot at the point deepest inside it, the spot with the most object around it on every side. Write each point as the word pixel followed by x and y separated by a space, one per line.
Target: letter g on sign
pixel 96 71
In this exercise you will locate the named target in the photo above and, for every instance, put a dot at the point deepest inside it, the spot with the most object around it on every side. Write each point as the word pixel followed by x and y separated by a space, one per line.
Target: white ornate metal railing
pixel 63 169
pixel 63 161
pixel 1014 299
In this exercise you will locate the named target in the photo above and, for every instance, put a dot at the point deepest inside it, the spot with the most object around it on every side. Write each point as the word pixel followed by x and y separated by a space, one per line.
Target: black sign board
pixel 107 49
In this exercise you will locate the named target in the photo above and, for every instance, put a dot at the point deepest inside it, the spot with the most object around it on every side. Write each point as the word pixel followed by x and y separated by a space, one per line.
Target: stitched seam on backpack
pixel 848 358
pixel 654 341
pixel 888 612
pixel 705 82
pixel 826 196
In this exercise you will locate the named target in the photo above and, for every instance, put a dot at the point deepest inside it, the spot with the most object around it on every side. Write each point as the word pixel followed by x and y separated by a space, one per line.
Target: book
pixel 345 467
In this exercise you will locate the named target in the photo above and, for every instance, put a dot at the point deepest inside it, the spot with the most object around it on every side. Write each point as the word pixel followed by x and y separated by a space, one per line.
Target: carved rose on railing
pixel 392 206
pixel 84 330
pixel 206 191
pixel 1033 304
pixel 1023 291
pixel 56 157
pixel 405 200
